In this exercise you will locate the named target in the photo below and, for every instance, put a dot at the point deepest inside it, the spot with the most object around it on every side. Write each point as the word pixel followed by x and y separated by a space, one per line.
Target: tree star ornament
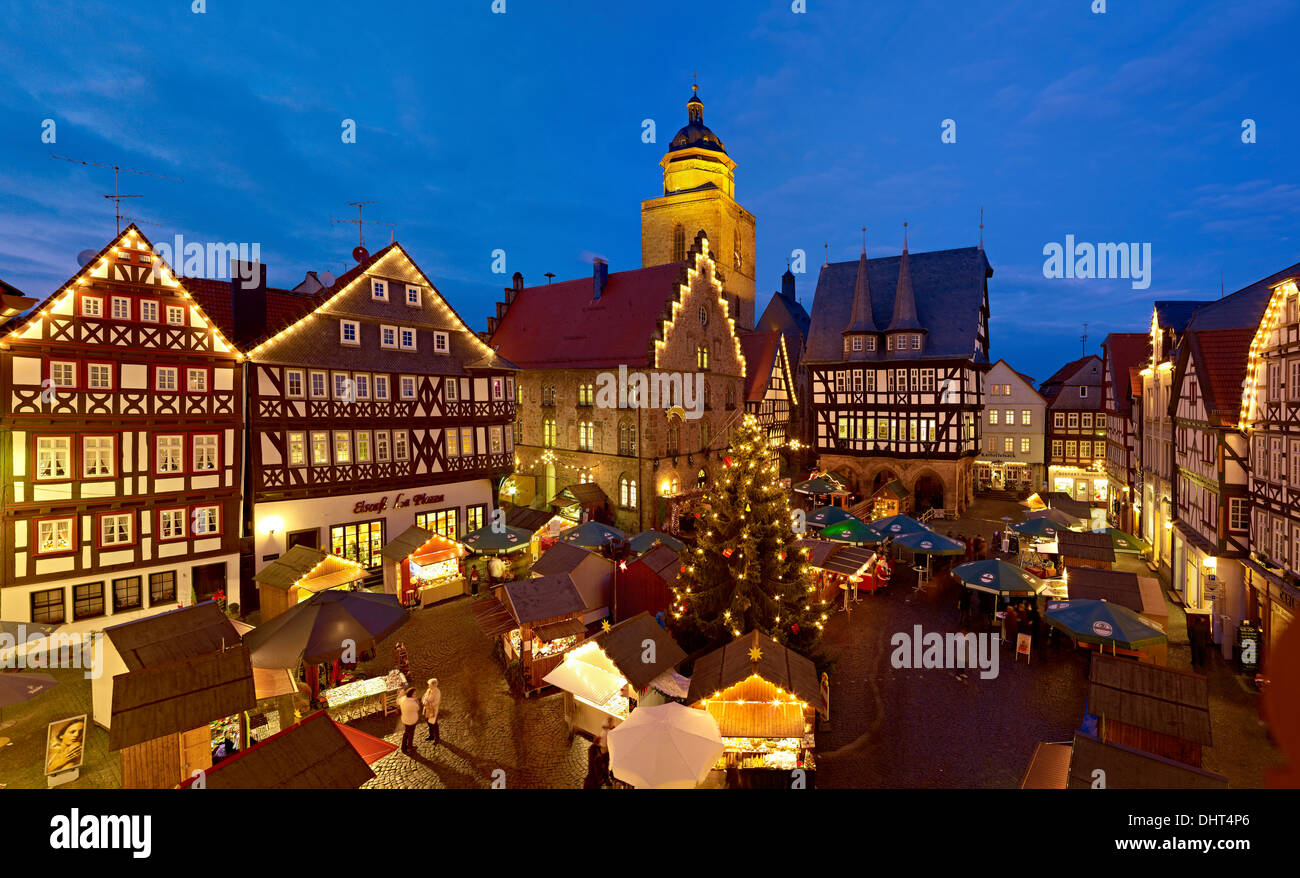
pixel 755 653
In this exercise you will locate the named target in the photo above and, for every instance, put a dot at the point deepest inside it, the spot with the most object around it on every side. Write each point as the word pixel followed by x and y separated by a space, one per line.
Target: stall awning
pixel 757 720
pixel 492 616
pixel 585 680
pixel 1049 769
pixel 556 630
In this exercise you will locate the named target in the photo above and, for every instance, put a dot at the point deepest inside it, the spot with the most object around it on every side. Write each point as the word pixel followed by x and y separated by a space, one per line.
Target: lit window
pixel 401 449
pixel 171 524
pixel 98 456
pixel 169 454
pixel 297 449
pixel 164 379
pixel 453 443
pixel 196 380
pixel 320 449
pixel 54 535
pixel 342 447
pixel 363 447
pixel 116 530
pixel 207 520
pixel 53 457
pixel 467 440
pixel 205 453
pixel 381 446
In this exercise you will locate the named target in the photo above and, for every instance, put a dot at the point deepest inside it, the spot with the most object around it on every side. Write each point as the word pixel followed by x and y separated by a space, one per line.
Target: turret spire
pixel 905 317
pixel 862 320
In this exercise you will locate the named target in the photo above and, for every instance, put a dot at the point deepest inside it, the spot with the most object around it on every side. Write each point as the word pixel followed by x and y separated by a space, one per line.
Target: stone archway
pixel 928 492
pixel 880 479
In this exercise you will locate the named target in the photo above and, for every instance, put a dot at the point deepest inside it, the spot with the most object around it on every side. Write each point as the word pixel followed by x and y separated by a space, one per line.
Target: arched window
pixel 679 244
pixel 731 396
pixel 627 491
pixel 701 478
pixel 740 259
pixel 627 438
pixel 673 439
pixel 702 358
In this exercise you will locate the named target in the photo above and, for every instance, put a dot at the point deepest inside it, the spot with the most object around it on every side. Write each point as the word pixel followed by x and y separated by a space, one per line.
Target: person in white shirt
pixel 432 701
pixel 410 710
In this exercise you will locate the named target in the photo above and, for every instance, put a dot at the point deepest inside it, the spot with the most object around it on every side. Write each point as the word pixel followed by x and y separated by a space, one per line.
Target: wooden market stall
pixel 646 586
pixel 607 676
pixel 543 524
pixel 164 715
pixel 1150 708
pixel 1127 768
pixel 834 566
pixel 314 754
pixel 300 573
pixel 765 699
pixel 1127 590
pixel 547 615
pixel 422 567
pixel 582 501
pixel 1085 549
pixel 592 573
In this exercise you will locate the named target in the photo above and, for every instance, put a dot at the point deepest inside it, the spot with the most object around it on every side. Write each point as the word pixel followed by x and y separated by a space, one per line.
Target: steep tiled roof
pixel 1219 356
pixel 760 350
pixel 1242 309
pixel 1124 350
pixel 948 287
pixel 560 325
pixel 1065 395
pixel 1052 386
pixel 216 298
pixel 783 314
pixel 1173 314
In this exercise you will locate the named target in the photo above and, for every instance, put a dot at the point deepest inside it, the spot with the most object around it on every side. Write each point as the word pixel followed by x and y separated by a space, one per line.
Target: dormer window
pixel 857 342
pixel 379 290
pixel 889 343
pixel 413 296
pixel 916 342
pixel 871 344
pixel 439 342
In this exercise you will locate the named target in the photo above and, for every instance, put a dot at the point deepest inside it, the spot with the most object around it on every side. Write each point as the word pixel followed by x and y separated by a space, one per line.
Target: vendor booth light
pixel 272 524
pixel 1210 563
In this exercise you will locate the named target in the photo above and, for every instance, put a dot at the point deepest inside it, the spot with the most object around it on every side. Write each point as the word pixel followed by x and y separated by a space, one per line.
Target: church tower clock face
pixel 699 195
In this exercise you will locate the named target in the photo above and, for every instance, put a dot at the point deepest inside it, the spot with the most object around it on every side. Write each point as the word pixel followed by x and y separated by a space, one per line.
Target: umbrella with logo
pixel 488 540
pixel 591 535
pixel 1040 528
pixel 644 541
pixel 1104 623
pixel 853 531
pixel 930 543
pixel 323 627
pixel 819 486
pixel 1126 543
pixel 827 516
pixel 894 526
pixel 668 746
pixel 1056 516
pixel 998 577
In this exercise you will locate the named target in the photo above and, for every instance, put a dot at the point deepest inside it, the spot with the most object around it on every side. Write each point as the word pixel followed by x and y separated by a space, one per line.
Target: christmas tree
pixel 745 572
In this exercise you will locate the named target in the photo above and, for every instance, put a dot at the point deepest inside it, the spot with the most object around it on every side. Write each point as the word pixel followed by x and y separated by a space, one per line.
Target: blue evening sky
pixel 522 131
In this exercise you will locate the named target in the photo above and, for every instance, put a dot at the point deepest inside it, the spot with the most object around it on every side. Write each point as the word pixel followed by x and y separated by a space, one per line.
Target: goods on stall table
pixel 362 697
pixel 543 650
pixel 782 753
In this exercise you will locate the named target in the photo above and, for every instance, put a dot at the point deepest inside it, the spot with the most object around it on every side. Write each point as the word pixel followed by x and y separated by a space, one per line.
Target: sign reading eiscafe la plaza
pixel 400 501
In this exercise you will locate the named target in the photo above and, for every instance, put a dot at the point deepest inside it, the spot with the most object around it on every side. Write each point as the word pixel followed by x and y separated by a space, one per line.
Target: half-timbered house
pixel 1076 431
pixel 896 355
pixel 122 447
pixel 377 410
pixel 1123 356
pixel 770 393
pixel 608 393
pixel 1270 414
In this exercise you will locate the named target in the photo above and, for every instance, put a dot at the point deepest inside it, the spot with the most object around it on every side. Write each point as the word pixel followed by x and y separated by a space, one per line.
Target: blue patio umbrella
pixel 591 535
pixel 825 516
pixel 930 543
pixel 894 526
pixel 1104 623
pixel 487 540
pixel 998 577
pixel 853 531
pixel 1041 528
pixel 819 485
pixel 644 541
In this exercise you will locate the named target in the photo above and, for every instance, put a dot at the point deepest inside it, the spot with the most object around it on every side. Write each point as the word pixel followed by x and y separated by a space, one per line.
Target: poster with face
pixel 63 744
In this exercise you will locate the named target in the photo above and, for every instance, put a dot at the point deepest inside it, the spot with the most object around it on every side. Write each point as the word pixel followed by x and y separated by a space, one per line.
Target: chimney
pixel 600 277
pixel 248 295
pixel 516 287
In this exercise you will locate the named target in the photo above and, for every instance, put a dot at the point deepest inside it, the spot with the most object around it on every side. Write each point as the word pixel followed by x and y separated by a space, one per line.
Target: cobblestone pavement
pixel 22 761
pixel 925 728
pixel 483 727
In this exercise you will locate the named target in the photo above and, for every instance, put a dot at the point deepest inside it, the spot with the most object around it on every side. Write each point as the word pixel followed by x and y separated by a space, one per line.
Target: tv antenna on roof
pixel 118 195
pixel 361 223
pixel 1084 339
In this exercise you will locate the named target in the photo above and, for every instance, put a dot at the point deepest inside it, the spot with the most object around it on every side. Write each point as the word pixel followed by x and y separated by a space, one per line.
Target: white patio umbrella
pixel 667 746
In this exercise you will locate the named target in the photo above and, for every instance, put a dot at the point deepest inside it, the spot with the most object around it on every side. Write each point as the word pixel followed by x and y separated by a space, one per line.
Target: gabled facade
pixel 1270 414
pixel 1076 431
pixel 584 345
pixel 378 410
pixel 1123 356
pixel 770 393
pixel 122 435
pixel 1011 457
pixel 896 356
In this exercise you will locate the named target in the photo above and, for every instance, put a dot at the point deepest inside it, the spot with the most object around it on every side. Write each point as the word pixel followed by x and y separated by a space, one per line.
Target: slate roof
pixel 760 350
pixel 1124 351
pixel 1114 586
pixel 1220 357
pixel 1051 386
pixel 949 290
pixel 174 636
pixel 1065 395
pixel 1242 309
pixel 560 326
pixel 1129 769
pixel 1088 546
pixel 1151 697
pixel 524 518
pixel 1174 314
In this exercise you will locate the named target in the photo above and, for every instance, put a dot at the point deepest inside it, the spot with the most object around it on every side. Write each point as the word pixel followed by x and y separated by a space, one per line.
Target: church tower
pixel 700 193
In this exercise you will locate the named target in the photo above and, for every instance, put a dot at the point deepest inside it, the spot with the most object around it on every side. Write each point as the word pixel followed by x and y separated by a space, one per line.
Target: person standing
pixel 432 700
pixel 963 606
pixel 976 607
pixel 1010 625
pixel 883 573
pixel 410 711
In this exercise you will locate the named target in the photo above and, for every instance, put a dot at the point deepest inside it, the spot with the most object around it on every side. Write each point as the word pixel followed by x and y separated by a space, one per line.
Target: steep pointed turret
pixel 860 334
pixel 905 328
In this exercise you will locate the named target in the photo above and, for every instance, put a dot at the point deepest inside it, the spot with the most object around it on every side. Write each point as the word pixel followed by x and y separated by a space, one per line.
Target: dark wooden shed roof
pixel 1150 697
pixel 1114 586
pixel 407 543
pixel 587 494
pixel 624 644
pixel 166 699
pixel 310 755
pixel 169 637
pixel 1129 769
pixel 731 664
pixel 1087 546
pixel 547 597
pixel 662 562
pixel 524 518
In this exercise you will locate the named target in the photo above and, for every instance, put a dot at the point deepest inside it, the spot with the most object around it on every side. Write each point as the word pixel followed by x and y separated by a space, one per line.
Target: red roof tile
pixel 760 350
pixel 1123 351
pixel 1220 356
pixel 560 326
pixel 216 298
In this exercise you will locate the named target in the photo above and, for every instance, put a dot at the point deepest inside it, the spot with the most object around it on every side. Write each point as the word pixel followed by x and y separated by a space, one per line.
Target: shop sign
pixel 398 501
pixel 1248 637
pixel 1102 629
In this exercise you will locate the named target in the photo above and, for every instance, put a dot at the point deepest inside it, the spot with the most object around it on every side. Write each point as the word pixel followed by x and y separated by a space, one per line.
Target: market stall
pixel 507 544
pixel 422 567
pixel 581 501
pixel 607 676
pixel 300 573
pixel 834 566
pixel 547 615
pixel 364 696
pixel 542 524
pixel 823 488
pixel 765 699
pixel 1110 628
